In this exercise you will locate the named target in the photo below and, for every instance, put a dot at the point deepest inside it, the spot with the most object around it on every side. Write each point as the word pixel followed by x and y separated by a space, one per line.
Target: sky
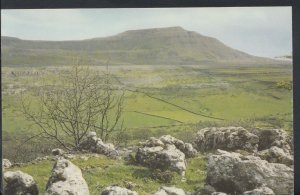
pixel 260 31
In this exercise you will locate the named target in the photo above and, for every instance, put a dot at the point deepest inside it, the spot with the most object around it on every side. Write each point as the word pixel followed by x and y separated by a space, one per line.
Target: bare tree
pixel 81 101
pixel 112 109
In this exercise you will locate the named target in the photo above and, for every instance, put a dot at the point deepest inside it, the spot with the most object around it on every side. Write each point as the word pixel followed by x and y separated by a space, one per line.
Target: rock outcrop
pixel 267 171
pixel 274 137
pixel 209 190
pixel 275 146
pixel 6 163
pixel 165 153
pixel 276 155
pixel 260 191
pixel 170 191
pixel 57 152
pixel 226 138
pixel 231 173
pixel 66 179
pixel 127 153
pixel 116 190
pixel 163 158
pixel 164 140
pixel 96 145
pixel 19 183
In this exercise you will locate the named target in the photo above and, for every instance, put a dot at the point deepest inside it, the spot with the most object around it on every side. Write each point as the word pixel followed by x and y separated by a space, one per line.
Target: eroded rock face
pixel 19 183
pixel 66 179
pixel 231 173
pixel 260 191
pixel 116 190
pixel 276 155
pixel 6 163
pixel 164 140
pixel 186 148
pixel 170 191
pixel 226 138
pixel 167 158
pixel 165 153
pixel 274 137
pixel 95 144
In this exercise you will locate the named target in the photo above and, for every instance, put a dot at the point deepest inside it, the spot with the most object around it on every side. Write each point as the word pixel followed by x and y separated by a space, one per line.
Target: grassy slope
pixel 173 45
pixel 245 96
pixel 101 172
pixel 227 94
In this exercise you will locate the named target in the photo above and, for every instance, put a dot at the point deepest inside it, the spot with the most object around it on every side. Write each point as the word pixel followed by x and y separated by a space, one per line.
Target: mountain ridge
pixel 155 46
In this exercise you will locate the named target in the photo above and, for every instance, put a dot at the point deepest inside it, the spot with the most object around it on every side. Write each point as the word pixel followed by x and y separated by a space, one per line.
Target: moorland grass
pixel 101 172
pixel 172 99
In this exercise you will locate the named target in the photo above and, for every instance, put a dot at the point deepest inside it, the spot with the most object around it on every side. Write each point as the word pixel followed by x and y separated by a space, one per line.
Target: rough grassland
pixel 102 172
pixel 174 100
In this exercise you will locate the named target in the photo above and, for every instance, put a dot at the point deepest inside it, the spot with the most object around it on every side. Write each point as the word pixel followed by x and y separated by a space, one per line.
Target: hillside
pixel 158 46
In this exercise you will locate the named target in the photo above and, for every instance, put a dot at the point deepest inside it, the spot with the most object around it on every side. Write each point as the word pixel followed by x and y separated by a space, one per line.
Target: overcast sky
pixel 261 31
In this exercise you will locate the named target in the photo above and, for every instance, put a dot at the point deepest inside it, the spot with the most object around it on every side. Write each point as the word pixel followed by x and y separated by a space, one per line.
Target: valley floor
pixel 176 100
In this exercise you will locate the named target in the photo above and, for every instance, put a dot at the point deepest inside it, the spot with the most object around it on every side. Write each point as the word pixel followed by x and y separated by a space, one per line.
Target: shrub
pixel 162 176
pixel 284 84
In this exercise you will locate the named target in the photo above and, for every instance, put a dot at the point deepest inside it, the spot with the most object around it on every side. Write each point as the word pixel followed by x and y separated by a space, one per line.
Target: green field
pixel 174 100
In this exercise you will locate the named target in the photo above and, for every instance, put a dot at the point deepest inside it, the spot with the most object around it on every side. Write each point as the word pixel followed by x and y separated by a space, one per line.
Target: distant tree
pixel 79 102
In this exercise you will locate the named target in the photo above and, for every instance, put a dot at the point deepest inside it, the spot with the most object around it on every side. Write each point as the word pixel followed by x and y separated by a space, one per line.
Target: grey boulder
pixel 260 191
pixel 209 190
pixel 232 173
pixel 164 140
pixel 6 163
pixel 274 137
pixel 57 151
pixel 226 138
pixel 276 155
pixel 116 190
pixel 170 191
pixel 167 158
pixel 66 179
pixel 19 183
pixel 96 145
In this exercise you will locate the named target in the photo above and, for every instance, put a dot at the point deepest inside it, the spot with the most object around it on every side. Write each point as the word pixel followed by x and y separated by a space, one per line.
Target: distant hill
pixel 288 57
pixel 158 46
